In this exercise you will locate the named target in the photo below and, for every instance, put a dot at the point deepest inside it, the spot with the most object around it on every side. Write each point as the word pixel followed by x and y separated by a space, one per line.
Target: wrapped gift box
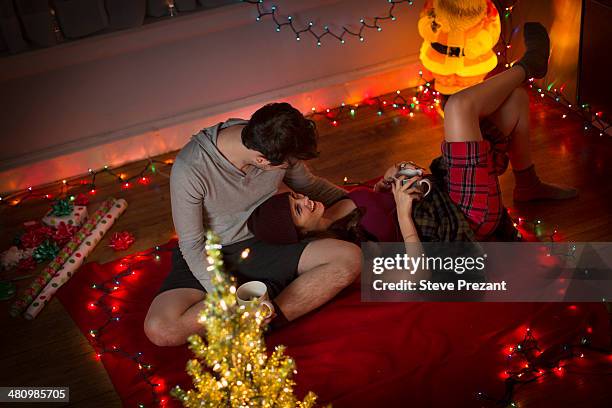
pixel 76 218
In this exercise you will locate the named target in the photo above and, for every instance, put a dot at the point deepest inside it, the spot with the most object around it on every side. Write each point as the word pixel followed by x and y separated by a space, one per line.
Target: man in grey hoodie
pixel 217 180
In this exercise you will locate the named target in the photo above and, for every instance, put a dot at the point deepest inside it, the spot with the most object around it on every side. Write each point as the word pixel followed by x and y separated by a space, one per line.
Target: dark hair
pixel 271 221
pixel 281 133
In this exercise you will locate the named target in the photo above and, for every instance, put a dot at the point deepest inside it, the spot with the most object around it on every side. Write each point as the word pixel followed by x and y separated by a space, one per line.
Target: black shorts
pixel 274 265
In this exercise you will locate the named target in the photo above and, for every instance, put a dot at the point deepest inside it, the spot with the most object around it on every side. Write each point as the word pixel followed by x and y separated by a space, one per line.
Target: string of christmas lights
pixel 527 362
pixel 84 184
pixel 593 121
pixel 106 289
pixel 426 100
pixel 534 225
pixel 506 36
pixel 364 24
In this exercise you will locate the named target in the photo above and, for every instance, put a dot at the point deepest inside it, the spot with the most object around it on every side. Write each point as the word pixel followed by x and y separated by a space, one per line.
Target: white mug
pixel 421 186
pixel 411 172
pixel 425 190
pixel 248 292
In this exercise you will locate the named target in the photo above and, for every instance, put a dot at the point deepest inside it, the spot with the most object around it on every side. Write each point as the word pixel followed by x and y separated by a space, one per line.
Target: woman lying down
pixel 397 209
pixel 462 200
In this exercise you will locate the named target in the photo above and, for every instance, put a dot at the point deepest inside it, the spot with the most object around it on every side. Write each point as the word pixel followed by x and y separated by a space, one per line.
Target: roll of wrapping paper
pixel 47 273
pixel 76 259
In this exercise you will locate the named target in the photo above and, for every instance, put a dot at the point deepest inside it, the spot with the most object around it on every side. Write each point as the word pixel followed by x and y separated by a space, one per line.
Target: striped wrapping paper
pixel 49 271
pixel 73 263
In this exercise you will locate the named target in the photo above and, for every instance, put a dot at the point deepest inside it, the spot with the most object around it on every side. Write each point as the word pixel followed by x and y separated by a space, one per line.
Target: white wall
pixel 119 97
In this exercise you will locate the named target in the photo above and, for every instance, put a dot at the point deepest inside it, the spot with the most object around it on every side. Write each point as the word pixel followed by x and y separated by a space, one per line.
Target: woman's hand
pixel 386 183
pixel 405 194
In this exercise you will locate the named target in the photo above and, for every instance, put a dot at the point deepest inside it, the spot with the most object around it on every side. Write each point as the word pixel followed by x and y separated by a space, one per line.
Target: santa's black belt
pixel 450 51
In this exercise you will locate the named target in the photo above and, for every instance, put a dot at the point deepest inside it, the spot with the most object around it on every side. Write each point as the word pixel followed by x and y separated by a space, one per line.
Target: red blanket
pixel 349 353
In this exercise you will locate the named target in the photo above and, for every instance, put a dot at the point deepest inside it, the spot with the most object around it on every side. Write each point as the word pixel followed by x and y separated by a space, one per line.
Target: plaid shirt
pixel 438 219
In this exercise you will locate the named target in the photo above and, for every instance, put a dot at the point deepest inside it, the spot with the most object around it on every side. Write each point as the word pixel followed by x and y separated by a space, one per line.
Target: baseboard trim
pixel 167 134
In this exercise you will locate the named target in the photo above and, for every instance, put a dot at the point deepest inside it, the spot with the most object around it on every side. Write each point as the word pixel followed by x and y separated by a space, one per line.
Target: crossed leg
pixel 512 119
pixel 325 268
pixel 463 111
pixel 173 316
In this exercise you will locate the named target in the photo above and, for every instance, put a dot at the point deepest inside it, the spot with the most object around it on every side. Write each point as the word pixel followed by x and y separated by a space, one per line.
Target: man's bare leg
pixel 173 316
pixel 326 267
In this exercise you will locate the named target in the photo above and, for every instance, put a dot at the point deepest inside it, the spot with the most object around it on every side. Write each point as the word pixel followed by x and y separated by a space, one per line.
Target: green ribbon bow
pixel 61 208
pixel 46 251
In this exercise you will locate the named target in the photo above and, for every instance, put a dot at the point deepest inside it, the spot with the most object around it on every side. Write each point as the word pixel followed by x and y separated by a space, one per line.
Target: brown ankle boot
pixel 529 187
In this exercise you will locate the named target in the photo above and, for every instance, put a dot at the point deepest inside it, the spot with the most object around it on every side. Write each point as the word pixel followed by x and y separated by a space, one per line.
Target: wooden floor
pixel 51 350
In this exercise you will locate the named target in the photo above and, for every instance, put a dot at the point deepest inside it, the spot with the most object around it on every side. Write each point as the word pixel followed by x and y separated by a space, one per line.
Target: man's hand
pixel 268 320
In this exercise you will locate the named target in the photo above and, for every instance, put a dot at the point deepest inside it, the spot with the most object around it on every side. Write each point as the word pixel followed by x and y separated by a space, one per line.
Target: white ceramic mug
pixel 422 183
pixel 412 172
pixel 248 292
